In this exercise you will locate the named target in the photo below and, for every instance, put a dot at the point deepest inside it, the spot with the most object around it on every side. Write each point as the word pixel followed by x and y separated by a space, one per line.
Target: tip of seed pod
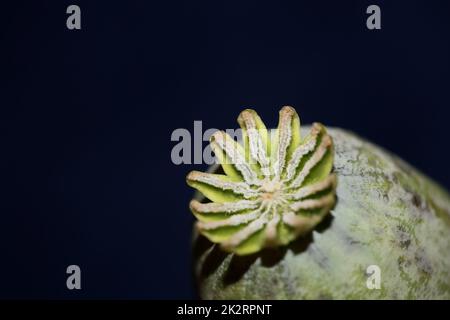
pixel 247 112
pixel 193 175
pixel 217 136
pixel 193 205
pixel 271 240
pixel 288 110
pixel 315 129
pixel 225 246
pixel 317 126
pixel 199 226
pixel 327 141
pixel 245 115
pixel 333 178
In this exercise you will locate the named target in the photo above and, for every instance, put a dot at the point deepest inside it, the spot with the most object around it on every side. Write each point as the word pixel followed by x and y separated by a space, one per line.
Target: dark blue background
pixel 86 119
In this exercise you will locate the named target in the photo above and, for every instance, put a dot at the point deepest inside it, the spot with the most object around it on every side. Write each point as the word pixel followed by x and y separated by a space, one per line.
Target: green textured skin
pixel 388 214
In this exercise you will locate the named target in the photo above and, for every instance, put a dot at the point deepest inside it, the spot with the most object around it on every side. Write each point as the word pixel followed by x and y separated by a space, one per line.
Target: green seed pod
pixel 273 190
pixel 385 214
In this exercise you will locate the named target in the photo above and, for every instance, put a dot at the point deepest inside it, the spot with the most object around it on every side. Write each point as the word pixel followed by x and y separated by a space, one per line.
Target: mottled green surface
pixel 388 214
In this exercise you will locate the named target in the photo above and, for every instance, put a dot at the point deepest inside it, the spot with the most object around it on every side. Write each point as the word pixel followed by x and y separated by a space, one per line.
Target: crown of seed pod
pixel 276 187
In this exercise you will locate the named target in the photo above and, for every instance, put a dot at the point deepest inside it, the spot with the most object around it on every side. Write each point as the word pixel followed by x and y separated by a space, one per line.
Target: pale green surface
pixel 387 214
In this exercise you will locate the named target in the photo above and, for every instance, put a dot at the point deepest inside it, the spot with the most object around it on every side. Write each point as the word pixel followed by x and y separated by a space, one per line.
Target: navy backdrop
pixel 86 119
